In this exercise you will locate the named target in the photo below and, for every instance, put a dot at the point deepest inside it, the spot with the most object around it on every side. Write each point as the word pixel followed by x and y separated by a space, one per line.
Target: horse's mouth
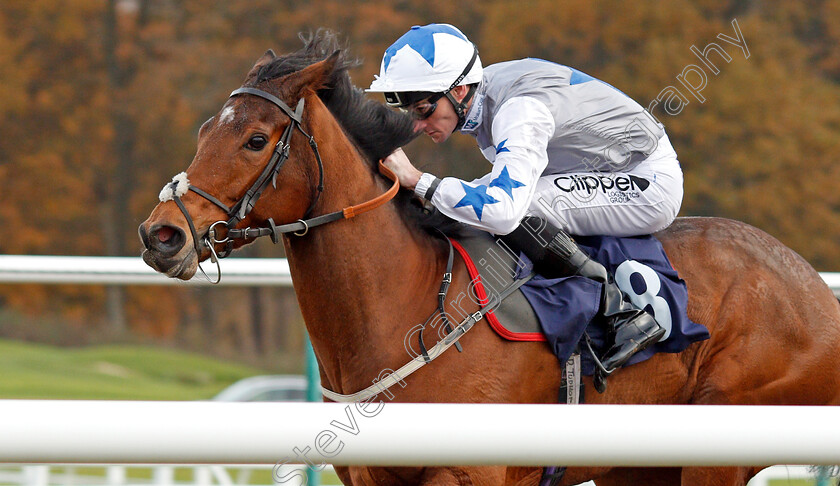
pixel 183 267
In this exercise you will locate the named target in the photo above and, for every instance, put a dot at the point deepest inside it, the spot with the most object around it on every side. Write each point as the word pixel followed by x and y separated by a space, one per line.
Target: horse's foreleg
pixel 648 476
pixel 343 474
pixel 463 476
pixel 717 476
pixel 523 476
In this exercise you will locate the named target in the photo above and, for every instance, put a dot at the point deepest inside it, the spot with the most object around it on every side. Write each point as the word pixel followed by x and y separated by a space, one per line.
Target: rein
pixel 241 208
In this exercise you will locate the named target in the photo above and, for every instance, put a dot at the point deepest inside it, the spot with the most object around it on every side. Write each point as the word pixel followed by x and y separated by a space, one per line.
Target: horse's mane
pixel 373 127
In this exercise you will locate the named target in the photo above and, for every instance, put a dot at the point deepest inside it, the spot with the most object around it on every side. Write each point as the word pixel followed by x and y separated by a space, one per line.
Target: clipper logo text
pixel 589 184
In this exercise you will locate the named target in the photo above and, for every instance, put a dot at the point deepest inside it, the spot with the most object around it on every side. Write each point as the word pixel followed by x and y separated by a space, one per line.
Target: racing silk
pixel 533 118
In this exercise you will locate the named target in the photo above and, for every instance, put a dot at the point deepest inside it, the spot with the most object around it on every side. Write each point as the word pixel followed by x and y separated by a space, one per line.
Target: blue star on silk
pixel 501 147
pixel 421 40
pixel 476 197
pixel 506 183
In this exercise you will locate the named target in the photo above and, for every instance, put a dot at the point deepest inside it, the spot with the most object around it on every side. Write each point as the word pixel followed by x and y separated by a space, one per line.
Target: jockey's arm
pixel 498 201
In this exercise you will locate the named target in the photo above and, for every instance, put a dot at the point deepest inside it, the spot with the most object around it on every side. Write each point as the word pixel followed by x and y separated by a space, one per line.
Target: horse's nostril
pixel 166 240
pixel 164 234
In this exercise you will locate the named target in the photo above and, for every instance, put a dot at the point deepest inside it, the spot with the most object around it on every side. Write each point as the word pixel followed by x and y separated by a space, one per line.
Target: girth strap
pixel 444 289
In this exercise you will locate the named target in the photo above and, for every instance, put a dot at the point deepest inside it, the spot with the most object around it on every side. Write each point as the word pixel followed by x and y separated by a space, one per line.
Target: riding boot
pixel 630 328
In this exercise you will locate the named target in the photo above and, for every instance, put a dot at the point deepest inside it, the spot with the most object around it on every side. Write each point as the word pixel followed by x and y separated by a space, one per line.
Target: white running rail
pixel 55 431
pixel 132 271
pixel 243 474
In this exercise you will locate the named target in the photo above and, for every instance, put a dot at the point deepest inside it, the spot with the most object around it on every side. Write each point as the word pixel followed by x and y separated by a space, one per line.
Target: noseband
pixel 241 208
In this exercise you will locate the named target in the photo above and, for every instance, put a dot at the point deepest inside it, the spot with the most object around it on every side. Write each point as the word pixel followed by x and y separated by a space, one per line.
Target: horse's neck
pixel 359 282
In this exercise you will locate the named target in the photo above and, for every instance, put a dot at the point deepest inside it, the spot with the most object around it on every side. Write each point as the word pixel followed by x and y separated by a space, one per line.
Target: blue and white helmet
pixel 433 58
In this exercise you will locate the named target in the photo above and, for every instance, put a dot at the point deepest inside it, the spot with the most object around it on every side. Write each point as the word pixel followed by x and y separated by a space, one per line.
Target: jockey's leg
pixel 633 328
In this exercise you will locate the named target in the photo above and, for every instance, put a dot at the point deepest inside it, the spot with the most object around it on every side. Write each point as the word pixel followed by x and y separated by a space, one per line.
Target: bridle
pixel 243 207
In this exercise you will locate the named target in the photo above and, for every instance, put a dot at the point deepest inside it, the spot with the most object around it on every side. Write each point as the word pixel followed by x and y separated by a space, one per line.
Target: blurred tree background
pixel 101 100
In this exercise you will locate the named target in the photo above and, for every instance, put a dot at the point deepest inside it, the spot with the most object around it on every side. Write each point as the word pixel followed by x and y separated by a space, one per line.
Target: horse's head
pixel 255 147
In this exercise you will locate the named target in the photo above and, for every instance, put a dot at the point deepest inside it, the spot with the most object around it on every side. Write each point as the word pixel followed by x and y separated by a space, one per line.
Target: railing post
pixel 823 475
pixel 313 394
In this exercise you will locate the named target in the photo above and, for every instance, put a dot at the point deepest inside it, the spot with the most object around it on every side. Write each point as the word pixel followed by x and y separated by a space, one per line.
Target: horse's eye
pixel 256 143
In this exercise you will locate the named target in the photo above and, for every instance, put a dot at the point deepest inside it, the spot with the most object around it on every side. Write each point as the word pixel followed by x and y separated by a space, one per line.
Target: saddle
pixel 562 311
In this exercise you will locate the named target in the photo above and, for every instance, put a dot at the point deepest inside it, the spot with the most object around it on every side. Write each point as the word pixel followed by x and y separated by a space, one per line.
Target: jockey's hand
pixel 407 174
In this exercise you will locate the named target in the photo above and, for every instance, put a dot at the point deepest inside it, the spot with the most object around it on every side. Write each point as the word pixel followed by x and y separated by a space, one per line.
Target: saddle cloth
pixel 559 310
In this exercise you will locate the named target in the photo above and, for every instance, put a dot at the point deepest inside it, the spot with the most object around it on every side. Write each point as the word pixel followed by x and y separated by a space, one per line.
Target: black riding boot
pixel 555 254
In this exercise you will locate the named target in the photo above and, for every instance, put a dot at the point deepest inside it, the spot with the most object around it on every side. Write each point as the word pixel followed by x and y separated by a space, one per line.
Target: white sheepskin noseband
pixel 178 187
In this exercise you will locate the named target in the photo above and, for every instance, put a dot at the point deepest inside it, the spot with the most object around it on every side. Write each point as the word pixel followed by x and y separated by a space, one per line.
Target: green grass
pixel 144 474
pixel 118 372
pixel 792 482
pixel 121 372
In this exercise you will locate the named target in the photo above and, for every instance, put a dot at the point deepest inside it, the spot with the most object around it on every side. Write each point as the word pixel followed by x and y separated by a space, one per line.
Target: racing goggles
pixel 420 104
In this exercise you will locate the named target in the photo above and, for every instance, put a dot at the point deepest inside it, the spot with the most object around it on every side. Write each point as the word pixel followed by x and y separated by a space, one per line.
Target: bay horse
pixel 363 283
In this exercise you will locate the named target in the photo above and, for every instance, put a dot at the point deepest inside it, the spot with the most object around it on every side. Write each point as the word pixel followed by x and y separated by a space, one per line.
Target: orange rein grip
pixel 358 209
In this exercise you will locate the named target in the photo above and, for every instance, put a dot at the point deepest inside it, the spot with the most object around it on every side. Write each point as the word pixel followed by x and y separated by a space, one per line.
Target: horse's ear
pixel 314 77
pixel 262 61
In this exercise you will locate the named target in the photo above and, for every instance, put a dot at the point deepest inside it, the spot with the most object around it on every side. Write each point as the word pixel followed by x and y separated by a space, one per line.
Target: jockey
pixel 570 155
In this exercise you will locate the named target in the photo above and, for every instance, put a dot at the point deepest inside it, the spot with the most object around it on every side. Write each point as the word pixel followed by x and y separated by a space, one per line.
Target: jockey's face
pixel 442 122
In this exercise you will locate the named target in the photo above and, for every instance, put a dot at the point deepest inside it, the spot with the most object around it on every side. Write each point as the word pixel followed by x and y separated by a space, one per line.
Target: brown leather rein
pixel 241 208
